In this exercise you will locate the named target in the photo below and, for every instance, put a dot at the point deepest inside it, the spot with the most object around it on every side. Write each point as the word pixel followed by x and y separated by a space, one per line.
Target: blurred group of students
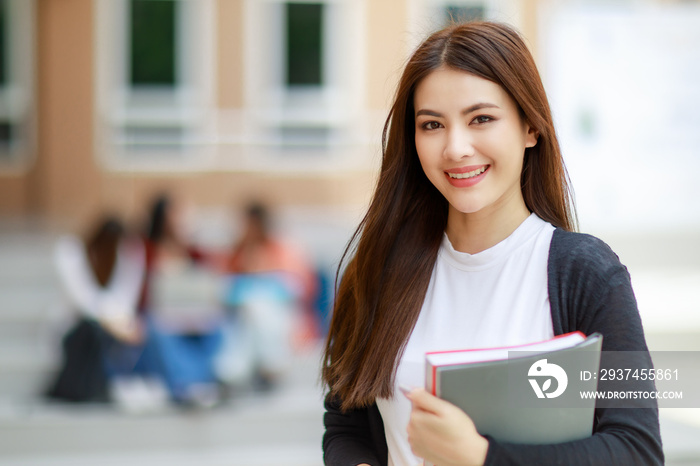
pixel 157 320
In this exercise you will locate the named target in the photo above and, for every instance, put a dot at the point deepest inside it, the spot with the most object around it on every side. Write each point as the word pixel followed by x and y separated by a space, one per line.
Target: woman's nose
pixel 459 144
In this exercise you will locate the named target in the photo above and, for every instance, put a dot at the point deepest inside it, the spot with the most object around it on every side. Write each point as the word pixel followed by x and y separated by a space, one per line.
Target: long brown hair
pixel 102 248
pixel 394 248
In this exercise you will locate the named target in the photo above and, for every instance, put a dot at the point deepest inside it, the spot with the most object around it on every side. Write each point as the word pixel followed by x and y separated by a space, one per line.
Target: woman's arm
pixel 75 275
pixel 355 437
pixel 600 302
pixel 129 274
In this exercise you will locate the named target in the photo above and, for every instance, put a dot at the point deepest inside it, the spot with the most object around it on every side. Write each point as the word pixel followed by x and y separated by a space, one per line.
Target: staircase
pixel 252 429
pixel 30 314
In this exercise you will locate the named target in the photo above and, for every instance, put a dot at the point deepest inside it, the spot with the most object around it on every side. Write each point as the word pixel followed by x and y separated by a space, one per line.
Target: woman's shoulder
pixel 68 249
pixel 589 288
pixel 581 252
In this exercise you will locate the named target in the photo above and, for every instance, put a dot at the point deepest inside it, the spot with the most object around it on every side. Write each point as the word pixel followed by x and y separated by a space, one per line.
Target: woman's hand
pixel 442 433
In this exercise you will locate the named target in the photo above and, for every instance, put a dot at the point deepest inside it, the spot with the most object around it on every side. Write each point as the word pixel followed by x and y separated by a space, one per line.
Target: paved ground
pixel 282 427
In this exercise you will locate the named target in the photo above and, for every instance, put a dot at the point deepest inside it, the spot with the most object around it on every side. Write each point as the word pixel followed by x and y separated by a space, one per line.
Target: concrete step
pixel 258 422
pixel 30 298
pixel 30 316
pixel 42 273
pixel 25 385
pixel 26 368
pixel 279 427
pixel 24 257
pixel 256 455
pixel 27 301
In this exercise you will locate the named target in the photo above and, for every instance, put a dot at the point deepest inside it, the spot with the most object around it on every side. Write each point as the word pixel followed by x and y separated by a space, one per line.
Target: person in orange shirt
pixel 270 294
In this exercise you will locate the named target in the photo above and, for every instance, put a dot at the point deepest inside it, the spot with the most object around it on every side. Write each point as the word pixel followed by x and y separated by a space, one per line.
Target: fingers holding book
pixel 442 433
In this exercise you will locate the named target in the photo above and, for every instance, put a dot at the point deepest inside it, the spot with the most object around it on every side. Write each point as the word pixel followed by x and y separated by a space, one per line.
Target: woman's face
pixel 471 141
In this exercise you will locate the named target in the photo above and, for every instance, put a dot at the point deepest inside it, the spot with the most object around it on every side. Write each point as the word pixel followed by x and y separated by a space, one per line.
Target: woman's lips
pixel 465 177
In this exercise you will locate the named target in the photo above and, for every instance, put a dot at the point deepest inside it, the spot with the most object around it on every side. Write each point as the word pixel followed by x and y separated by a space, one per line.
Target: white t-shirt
pixel 497 297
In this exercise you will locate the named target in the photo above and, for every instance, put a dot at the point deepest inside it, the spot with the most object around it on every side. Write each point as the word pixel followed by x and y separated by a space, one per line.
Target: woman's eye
pixel 431 125
pixel 482 119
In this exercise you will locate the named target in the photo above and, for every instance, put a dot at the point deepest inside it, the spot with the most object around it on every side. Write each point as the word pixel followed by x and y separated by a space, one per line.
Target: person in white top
pixel 497 297
pixel 452 254
pixel 102 277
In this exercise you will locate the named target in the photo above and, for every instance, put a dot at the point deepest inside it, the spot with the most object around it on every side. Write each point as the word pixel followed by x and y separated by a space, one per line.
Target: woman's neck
pixel 476 232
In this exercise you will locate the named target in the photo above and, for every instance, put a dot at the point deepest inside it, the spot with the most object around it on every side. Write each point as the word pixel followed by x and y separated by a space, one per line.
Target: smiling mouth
pixel 467 175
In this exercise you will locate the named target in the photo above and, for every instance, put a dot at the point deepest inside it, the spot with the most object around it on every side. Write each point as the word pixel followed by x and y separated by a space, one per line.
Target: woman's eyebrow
pixel 478 106
pixel 466 111
pixel 428 113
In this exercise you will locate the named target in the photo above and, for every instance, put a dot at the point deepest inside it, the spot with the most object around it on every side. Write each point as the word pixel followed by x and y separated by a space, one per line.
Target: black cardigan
pixel 590 291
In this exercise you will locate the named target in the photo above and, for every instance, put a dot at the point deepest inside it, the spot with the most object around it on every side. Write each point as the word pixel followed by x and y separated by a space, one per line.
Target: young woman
pixel 101 276
pixel 468 242
pixel 181 309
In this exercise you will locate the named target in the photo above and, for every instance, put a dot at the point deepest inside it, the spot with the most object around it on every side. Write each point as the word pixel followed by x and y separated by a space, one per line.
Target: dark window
pixel 304 44
pixel 461 14
pixel 5 125
pixel 3 43
pixel 153 42
pixel 5 136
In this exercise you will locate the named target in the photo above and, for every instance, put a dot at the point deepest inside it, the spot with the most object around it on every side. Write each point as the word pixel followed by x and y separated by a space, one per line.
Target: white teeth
pixel 461 176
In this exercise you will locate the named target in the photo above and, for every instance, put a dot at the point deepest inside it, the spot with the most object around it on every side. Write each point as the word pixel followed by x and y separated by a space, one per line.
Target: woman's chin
pixel 466 208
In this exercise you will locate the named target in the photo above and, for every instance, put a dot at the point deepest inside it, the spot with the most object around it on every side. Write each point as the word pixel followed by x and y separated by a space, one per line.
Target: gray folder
pixel 511 400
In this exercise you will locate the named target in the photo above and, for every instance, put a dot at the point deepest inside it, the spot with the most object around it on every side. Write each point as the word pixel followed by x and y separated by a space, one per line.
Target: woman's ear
pixel 531 137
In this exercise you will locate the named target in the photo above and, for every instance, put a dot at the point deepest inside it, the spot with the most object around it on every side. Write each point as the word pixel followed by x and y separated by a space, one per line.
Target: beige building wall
pixel 68 183
pixel 386 50
pixel 64 180
pixel 229 54
pixel 13 194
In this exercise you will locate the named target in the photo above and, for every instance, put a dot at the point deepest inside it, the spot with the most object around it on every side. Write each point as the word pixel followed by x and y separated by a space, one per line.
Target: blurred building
pixel 104 102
